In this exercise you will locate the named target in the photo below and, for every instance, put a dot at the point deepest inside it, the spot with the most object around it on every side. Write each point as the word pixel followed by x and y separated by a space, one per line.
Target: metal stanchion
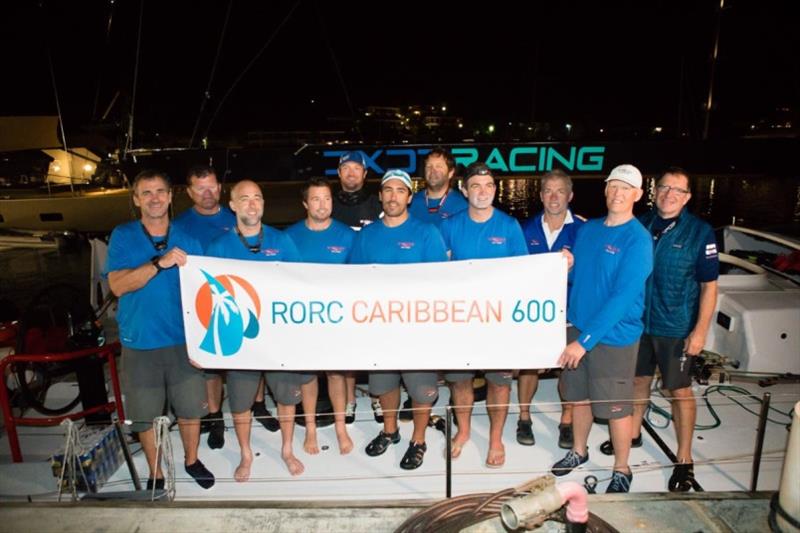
pixel 762 426
pixel 448 431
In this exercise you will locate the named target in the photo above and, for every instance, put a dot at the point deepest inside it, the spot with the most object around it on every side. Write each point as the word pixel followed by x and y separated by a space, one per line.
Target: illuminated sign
pixel 508 159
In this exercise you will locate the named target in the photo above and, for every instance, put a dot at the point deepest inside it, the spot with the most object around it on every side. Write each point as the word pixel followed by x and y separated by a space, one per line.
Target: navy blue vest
pixel 671 301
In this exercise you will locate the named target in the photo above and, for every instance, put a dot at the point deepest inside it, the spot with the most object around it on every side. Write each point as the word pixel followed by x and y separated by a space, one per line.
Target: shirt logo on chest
pixel 497 240
pixel 336 249
pixel 270 252
pixel 611 249
pixel 405 245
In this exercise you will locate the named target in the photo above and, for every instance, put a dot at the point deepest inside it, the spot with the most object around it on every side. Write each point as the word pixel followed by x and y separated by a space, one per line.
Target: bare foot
pixel 310 444
pixel 345 443
pixel 496 457
pixel 242 472
pixel 294 466
pixel 457 444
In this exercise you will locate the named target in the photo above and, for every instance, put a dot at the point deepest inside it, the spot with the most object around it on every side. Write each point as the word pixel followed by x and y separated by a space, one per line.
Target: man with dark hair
pixel 399 238
pixel 482 232
pixel 352 204
pixel 613 257
pixel 552 230
pixel 143 257
pixel 437 201
pixel 680 301
pixel 251 240
pixel 205 220
pixel 320 239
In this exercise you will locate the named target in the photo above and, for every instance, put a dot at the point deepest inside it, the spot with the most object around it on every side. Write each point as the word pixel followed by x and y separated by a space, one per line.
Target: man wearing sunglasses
pixel 251 240
pixel 143 257
pixel 681 297
pixel 438 201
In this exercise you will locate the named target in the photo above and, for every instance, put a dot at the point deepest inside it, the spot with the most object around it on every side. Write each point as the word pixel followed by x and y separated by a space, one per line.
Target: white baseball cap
pixel 627 173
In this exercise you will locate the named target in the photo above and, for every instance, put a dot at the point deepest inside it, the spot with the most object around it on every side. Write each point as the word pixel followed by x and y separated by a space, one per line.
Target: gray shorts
pixel 242 388
pixel 285 386
pixel 666 352
pixel 604 376
pixel 149 377
pixel 502 378
pixel 422 386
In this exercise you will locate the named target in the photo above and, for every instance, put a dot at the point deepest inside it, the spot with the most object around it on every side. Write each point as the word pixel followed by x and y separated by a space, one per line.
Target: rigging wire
pixel 248 67
pixel 207 93
pixel 339 76
pixel 129 139
pixel 60 120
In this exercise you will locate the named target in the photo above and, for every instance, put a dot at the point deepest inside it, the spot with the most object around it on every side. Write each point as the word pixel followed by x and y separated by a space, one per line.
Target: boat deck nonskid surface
pixel 723 457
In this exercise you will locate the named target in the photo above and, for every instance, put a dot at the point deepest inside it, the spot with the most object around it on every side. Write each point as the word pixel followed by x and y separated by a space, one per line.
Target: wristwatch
pixel 155 260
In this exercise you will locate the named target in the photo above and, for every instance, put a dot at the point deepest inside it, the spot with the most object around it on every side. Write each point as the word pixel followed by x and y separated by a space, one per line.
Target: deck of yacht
pixel 723 456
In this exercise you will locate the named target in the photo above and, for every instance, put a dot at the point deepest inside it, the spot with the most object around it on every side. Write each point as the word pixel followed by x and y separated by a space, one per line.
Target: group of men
pixel 612 301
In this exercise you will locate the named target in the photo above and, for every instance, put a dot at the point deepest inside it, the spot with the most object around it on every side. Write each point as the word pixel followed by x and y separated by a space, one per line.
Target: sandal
pixel 380 443
pixel 414 455
pixel 682 478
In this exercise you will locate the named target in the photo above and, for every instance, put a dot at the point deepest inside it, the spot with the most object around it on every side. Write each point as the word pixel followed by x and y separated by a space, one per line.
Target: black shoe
pixel 414 455
pixel 608 449
pixel 159 483
pixel 350 413
pixel 620 482
pixel 262 414
pixel 200 473
pixel 406 413
pixel 525 433
pixel 682 478
pixel 570 462
pixel 380 443
pixel 205 423
pixel 377 411
pixel 565 438
pixel 216 434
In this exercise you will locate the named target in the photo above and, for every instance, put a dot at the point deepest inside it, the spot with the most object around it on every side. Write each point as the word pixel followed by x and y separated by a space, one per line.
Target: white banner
pixel 482 314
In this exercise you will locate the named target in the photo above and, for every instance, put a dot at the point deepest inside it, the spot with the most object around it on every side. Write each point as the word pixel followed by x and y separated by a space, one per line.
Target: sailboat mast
pixel 710 99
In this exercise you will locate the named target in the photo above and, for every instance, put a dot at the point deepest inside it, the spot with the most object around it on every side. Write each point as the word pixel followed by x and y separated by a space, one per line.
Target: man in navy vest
pixel 680 301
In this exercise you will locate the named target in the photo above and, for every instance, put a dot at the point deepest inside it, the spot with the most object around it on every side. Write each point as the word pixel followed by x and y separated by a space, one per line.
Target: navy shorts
pixel 666 353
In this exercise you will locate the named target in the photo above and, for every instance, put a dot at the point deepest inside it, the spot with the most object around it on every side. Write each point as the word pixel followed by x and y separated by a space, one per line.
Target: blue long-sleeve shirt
pixel 608 282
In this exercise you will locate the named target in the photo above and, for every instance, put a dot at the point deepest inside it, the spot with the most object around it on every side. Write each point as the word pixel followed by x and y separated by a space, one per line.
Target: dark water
pixel 763 202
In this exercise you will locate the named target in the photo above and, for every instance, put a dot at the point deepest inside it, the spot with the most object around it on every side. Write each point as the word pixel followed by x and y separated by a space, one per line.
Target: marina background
pixel 761 202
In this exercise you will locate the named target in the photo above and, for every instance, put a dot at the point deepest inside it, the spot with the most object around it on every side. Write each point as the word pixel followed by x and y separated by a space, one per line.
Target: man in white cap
pixel 681 297
pixel 613 259
pixel 399 238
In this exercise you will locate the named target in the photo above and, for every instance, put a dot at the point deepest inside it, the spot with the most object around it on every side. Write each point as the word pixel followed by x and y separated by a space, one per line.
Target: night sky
pixel 613 64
